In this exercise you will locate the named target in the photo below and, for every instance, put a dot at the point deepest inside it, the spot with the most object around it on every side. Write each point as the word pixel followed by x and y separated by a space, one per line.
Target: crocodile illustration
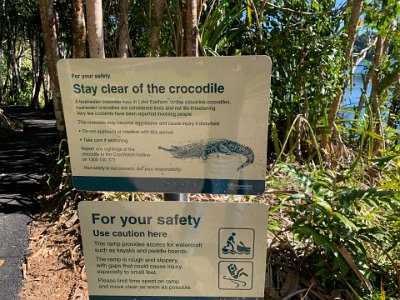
pixel 204 148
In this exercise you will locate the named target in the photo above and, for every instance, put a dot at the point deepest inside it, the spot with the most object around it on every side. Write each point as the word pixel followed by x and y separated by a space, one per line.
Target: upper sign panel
pixel 191 125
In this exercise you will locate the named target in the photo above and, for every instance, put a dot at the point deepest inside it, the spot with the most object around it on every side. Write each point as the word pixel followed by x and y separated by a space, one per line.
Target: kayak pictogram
pixel 235 248
pixel 236 243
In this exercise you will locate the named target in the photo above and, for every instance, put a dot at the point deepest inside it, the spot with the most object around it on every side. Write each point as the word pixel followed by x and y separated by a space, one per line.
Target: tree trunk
pixel 94 12
pixel 191 29
pixel 190 49
pixel 351 27
pixel 7 74
pixel 2 28
pixel 394 110
pixel 123 34
pixel 33 42
pixel 374 97
pixel 11 37
pixel 48 22
pixel 1 71
pixel 40 76
pixel 156 24
pixel 351 30
pixel 34 55
pixel 15 77
pixel 46 81
pixel 78 29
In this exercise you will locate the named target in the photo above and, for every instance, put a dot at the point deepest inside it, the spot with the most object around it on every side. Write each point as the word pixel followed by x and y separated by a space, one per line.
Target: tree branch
pixel 305 12
pixel 363 53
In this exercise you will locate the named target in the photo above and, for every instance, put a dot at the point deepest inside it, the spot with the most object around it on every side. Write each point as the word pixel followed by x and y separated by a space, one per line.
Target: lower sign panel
pixel 174 250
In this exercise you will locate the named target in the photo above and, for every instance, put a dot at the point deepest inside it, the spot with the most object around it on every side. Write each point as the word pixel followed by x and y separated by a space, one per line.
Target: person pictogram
pixel 231 241
pixel 235 275
pixel 233 248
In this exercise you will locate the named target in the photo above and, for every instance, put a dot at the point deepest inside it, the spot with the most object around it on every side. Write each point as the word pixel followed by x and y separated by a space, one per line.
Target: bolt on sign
pixel 174 250
pixel 187 124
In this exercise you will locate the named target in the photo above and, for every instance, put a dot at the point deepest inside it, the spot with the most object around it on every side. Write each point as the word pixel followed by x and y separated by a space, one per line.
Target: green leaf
pixel 349 224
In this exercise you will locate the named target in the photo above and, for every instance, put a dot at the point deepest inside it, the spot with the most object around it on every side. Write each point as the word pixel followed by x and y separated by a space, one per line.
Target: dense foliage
pixel 336 187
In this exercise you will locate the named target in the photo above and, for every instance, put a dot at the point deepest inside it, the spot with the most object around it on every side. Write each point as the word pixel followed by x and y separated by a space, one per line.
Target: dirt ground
pixel 56 265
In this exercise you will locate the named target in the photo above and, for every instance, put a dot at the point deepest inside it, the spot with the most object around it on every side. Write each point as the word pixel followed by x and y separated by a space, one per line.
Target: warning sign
pixel 177 249
pixel 175 125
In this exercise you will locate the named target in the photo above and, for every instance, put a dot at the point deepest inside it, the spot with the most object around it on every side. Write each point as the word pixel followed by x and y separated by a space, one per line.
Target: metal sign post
pixel 175 197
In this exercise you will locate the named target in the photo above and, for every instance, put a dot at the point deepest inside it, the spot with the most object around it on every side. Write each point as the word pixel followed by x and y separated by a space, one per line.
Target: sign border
pixel 170 185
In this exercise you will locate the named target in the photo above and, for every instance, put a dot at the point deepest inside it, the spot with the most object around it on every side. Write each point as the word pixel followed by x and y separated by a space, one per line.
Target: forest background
pixel 333 178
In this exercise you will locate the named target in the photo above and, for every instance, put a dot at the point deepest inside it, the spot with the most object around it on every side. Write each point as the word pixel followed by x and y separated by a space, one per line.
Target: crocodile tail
pixel 249 154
